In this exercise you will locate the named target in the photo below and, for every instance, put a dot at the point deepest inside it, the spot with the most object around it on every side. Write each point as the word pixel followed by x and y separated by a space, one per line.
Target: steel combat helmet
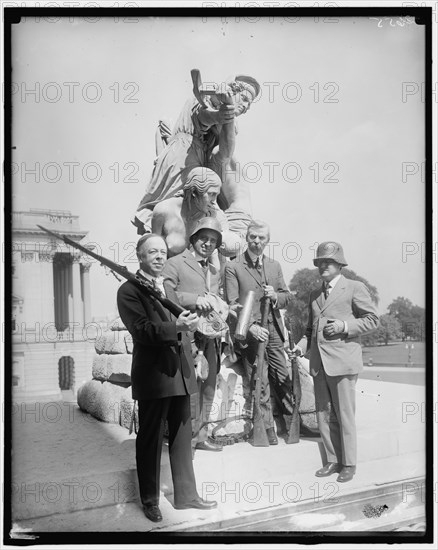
pixel 329 250
pixel 208 222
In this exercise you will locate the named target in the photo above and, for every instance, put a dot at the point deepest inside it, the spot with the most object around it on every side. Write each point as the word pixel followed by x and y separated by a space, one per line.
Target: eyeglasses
pixel 205 240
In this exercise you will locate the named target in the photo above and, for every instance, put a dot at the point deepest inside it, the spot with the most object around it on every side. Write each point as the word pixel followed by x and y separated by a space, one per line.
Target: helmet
pixel 250 84
pixel 330 250
pixel 208 223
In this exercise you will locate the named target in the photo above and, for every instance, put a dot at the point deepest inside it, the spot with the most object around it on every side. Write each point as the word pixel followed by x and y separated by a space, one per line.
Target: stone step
pixel 65 461
pixel 105 486
pixel 298 502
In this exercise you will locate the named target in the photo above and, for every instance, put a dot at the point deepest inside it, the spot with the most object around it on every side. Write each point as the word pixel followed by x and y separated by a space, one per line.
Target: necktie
pixel 258 264
pixel 326 290
pixel 203 264
pixel 157 283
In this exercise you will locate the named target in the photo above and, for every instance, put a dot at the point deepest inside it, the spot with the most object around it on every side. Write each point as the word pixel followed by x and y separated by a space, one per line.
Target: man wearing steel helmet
pixel 339 311
pixel 194 281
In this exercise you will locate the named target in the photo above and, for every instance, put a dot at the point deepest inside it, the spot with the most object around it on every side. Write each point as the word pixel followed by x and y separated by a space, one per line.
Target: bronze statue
pixel 194 172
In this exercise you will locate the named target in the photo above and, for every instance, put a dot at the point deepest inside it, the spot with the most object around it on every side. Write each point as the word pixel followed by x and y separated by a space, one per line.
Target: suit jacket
pixel 162 364
pixel 340 354
pixel 241 277
pixel 185 279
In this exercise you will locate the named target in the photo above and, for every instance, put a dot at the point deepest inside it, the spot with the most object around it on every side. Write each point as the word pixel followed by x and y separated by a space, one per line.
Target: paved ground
pixel 73 473
pixel 399 374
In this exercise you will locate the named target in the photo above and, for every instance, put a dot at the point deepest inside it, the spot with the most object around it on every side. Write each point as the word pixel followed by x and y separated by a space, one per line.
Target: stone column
pixel 78 312
pixel 85 272
pixel 40 380
pixel 68 273
pixel 47 295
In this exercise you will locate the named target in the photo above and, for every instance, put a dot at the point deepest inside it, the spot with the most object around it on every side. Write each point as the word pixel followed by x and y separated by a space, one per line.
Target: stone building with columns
pixel 53 337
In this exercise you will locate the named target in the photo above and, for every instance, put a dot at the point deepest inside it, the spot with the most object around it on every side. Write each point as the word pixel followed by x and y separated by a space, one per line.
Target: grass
pixel 395 353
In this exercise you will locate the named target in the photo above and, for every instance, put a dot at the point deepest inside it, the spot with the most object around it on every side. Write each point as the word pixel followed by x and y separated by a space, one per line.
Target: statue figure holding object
pixel 195 172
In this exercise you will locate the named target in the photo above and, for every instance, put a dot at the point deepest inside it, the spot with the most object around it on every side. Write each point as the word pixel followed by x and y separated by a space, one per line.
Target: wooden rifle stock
pixel 174 308
pixel 260 437
pixel 294 430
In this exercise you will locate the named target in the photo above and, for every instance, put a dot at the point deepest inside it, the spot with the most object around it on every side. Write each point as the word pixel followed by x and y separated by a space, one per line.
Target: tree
pixel 390 328
pixel 411 317
pixel 369 339
pixel 401 308
pixel 302 283
pixel 296 316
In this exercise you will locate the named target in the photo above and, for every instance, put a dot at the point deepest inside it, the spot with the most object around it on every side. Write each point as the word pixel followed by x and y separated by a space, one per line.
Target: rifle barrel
pixel 101 259
pixel 122 270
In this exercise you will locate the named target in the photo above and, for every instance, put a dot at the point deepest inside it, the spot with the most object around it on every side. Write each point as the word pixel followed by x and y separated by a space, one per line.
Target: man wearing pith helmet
pixel 339 312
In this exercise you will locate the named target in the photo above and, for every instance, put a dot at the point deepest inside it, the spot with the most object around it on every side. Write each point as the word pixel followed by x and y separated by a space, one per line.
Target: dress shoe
pixel 207 446
pixel 329 469
pixel 272 438
pixel 198 503
pixel 152 512
pixel 347 474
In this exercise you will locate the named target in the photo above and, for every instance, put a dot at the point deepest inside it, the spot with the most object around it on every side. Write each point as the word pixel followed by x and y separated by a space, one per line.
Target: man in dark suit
pixel 162 380
pixel 254 271
pixel 339 312
pixel 195 280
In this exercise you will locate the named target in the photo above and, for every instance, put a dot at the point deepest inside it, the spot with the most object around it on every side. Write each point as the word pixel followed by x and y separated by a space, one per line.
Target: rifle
pixel 201 90
pixel 122 270
pixel 294 430
pixel 260 438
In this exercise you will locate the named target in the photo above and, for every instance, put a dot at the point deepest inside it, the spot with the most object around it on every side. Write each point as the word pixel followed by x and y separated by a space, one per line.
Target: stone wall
pixel 107 396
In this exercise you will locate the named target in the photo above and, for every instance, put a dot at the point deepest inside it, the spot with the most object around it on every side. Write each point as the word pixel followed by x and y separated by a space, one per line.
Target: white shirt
pixel 329 287
pixel 200 258
pixel 254 257
pixel 207 273
pixel 157 282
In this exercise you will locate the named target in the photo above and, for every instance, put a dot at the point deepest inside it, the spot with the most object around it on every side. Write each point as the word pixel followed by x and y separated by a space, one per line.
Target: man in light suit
pixel 162 380
pixel 254 271
pixel 339 312
pixel 192 278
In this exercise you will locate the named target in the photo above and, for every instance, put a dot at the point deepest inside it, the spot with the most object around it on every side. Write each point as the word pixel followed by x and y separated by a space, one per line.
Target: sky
pixel 332 150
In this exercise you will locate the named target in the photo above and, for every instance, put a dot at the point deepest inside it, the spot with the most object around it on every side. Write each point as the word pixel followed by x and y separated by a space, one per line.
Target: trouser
pixel 275 379
pixel 202 402
pixel 335 399
pixel 152 416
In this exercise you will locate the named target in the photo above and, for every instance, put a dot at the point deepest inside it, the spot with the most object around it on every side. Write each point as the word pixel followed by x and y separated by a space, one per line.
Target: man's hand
pixel 333 327
pixel 187 322
pixel 203 304
pixel 225 94
pixel 235 309
pixel 225 114
pixel 261 334
pixel 296 351
pixel 270 292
